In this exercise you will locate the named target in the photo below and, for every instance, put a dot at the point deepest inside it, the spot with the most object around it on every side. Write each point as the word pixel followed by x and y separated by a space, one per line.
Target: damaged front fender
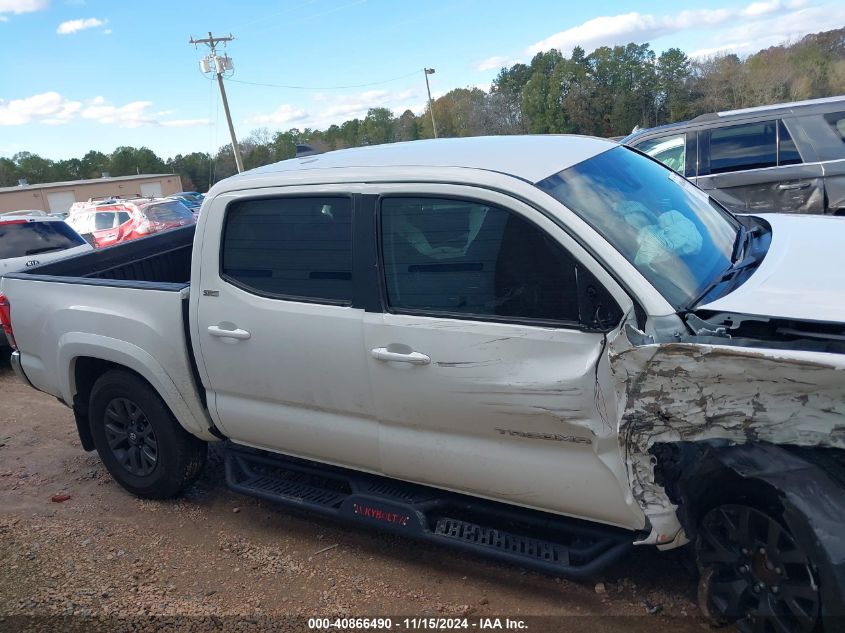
pixel 688 392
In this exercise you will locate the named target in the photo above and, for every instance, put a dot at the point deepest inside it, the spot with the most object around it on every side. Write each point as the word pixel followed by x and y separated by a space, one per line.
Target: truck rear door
pixel 279 327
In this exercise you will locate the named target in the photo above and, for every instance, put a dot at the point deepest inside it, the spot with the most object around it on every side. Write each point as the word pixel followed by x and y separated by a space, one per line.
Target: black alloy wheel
pixel 754 573
pixel 131 437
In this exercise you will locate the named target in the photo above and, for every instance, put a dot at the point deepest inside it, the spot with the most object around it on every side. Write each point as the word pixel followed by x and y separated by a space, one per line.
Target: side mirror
pixel 598 310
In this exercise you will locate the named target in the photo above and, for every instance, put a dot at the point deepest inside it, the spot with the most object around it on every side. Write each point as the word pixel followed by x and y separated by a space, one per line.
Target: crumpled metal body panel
pixel 682 392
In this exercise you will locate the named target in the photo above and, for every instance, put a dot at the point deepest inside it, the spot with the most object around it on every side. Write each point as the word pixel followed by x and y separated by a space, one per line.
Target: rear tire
pixel 139 441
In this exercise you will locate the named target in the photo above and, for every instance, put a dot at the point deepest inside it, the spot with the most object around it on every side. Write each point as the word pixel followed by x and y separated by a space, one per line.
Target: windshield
pixel 19 238
pixel 168 212
pixel 667 228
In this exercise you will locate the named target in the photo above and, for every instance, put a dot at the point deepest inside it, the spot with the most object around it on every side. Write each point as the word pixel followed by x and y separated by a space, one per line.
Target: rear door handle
pixel 793 186
pixel 415 358
pixel 219 332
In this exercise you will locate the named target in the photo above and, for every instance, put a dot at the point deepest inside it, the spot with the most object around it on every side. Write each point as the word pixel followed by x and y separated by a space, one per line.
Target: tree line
pixel 607 93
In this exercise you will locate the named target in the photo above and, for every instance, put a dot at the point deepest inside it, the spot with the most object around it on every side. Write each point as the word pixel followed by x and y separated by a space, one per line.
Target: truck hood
pixel 14 264
pixel 802 276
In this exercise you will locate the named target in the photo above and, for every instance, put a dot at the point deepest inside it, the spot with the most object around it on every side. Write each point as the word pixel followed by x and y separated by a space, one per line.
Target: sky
pixel 96 74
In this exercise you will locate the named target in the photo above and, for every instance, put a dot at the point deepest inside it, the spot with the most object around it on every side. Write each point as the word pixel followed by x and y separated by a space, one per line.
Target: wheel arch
pixel 85 362
pixel 807 485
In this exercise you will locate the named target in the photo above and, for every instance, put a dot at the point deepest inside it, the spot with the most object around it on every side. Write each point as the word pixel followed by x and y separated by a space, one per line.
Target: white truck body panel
pixel 57 323
pixel 806 260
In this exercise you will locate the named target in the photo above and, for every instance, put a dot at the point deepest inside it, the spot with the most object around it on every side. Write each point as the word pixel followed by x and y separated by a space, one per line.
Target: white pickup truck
pixel 545 349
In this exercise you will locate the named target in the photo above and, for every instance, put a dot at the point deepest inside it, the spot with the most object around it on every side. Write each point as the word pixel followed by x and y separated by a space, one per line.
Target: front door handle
pixel 785 186
pixel 384 354
pixel 219 332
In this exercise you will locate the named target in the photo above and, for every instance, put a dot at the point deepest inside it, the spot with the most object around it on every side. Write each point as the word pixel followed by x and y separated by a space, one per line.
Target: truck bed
pixel 162 258
pixel 126 305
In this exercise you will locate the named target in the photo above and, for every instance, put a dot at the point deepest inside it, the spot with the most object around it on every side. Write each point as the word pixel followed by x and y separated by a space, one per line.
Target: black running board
pixel 544 542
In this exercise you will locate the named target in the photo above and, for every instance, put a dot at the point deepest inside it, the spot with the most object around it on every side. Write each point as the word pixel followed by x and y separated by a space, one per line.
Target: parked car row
pixel 119 220
pixel 30 237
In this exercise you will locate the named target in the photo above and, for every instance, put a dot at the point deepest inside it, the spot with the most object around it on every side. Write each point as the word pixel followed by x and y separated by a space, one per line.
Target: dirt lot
pixel 104 553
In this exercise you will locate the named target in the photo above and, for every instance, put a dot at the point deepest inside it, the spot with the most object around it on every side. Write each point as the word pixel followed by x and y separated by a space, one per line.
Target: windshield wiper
pixel 741 259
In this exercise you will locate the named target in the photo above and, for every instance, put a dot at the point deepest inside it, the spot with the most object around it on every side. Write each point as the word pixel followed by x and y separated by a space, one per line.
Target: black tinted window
pixel 451 256
pixel 747 146
pixel 291 247
pixel 787 152
pixel 19 238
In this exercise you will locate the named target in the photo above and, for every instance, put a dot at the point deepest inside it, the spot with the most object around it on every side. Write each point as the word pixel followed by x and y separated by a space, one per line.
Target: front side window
pixel 290 247
pixel 468 258
pixel 669 150
pixel 666 227
pixel 746 146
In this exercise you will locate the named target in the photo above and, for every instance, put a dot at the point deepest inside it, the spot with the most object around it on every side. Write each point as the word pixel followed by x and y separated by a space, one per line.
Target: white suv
pixel 28 240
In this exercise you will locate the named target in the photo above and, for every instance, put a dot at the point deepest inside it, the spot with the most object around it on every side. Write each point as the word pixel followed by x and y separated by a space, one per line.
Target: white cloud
pixel 355 106
pixel 740 29
pixel 107 32
pixel 48 107
pixel 51 108
pixel 133 114
pixel 495 63
pixel 282 115
pixel 23 6
pixel 186 122
pixel 74 26
pixel 749 37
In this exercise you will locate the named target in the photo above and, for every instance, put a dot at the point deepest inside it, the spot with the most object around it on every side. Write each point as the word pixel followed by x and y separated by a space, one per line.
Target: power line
pixel 290 87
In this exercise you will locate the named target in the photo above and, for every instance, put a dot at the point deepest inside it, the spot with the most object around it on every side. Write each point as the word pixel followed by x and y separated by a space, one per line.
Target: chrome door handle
pixel 415 358
pixel 219 332
pixel 793 186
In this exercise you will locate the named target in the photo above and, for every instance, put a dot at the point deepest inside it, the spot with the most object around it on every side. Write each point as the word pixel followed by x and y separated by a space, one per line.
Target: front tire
pixel 754 573
pixel 139 441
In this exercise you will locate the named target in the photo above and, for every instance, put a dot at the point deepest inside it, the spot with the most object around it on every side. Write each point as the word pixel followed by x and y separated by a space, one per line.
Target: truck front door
pixel 484 378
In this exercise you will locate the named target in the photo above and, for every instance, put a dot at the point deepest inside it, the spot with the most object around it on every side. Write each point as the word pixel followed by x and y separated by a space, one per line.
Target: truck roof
pixel 530 158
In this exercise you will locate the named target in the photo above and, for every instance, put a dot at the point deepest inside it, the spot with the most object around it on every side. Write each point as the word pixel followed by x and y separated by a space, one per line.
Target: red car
pixel 110 223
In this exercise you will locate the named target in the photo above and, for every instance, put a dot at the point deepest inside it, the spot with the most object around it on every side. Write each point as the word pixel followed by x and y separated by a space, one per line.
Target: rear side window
pixel 746 146
pixel 836 120
pixel 669 150
pixel 458 257
pixel 19 238
pixel 290 247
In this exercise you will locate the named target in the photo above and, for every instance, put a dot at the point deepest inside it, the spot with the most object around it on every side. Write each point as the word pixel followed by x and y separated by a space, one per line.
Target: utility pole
pixel 213 63
pixel 430 71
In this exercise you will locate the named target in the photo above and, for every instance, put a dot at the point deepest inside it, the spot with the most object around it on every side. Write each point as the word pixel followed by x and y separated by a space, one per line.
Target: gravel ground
pixel 213 559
